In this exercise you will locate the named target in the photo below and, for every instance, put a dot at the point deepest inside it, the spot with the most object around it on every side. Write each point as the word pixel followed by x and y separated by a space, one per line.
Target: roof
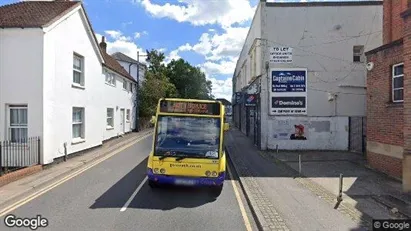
pixel 398 42
pixel 325 3
pixel 125 58
pixel 34 13
pixel 115 66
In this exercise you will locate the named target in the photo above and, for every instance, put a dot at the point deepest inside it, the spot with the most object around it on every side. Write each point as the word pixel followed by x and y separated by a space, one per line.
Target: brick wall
pixel 384 119
pixel 388 165
pixel 393 23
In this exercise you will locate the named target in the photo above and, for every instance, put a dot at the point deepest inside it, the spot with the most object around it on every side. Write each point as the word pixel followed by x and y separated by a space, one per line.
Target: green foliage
pixel 177 79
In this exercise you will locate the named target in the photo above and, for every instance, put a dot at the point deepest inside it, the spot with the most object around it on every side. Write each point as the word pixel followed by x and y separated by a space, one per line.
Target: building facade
pixel 131 66
pixel 301 74
pixel 53 84
pixel 388 98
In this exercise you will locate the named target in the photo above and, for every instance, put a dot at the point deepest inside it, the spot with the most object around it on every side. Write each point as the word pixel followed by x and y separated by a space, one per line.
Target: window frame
pixel 81 71
pixel 393 89
pixel 109 127
pixel 111 76
pixel 19 126
pixel 82 132
pixel 360 54
pixel 125 84
pixel 128 114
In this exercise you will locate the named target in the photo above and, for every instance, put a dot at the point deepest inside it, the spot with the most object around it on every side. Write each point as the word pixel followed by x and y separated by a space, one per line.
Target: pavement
pixel 21 188
pixel 373 193
pixel 112 194
pixel 279 201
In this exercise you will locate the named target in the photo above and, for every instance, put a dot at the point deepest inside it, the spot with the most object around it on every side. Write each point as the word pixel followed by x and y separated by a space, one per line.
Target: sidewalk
pixel 280 202
pixel 368 191
pixel 20 188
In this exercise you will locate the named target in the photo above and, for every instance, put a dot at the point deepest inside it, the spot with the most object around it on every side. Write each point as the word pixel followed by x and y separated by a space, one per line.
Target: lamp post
pixel 137 127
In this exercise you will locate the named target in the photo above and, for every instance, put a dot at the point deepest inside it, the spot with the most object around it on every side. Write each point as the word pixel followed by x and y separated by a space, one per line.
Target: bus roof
pixel 190 107
pixel 191 100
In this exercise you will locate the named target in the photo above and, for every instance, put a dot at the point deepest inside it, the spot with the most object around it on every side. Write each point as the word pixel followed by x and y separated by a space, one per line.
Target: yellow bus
pixel 188 144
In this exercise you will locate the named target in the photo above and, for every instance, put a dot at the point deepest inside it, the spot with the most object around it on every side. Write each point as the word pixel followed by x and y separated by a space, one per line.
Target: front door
pixel 122 124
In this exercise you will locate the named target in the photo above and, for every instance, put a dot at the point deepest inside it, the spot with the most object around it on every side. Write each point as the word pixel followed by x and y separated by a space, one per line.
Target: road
pixel 99 199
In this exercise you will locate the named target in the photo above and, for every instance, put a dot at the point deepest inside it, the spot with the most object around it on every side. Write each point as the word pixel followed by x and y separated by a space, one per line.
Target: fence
pixel 16 155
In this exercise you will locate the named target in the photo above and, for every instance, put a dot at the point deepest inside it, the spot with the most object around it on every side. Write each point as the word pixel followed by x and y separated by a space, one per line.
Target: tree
pixel 177 79
pixel 156 85
pixel 189 81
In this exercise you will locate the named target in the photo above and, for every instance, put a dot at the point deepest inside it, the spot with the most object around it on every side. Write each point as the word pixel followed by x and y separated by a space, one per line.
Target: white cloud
pixel 221 52
pixel 138 35
pixel 202 12
pixel 117 42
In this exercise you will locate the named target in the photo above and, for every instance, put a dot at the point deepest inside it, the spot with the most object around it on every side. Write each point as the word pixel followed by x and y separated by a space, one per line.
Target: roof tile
pixel 34 13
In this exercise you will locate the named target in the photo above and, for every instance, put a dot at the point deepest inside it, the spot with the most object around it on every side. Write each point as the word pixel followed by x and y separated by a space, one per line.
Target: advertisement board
pixel 288 95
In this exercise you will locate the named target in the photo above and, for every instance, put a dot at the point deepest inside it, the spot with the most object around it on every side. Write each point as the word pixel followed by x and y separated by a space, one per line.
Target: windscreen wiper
pixel 191 155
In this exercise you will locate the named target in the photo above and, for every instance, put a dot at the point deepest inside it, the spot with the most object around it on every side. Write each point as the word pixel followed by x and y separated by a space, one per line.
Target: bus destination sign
pixel 190 107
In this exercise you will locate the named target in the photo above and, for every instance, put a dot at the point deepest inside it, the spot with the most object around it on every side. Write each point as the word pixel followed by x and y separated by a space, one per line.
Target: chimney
pixel 103 45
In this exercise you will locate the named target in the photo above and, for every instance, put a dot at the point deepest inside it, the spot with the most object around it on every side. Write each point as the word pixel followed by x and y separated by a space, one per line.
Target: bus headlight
pixel 208 173
pixel 214 173
pixel 156 170
pixel 162 171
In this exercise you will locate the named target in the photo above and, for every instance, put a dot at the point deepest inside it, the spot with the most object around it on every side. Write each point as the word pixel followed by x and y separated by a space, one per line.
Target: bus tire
pixel 152 184
pixel 216 190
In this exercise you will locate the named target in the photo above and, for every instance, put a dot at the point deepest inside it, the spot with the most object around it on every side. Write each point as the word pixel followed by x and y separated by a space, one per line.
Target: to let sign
pixel 281 55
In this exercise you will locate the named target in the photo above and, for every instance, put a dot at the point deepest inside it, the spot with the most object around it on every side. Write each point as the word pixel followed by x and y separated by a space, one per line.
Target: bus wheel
pixel 216 190
pixel 152 184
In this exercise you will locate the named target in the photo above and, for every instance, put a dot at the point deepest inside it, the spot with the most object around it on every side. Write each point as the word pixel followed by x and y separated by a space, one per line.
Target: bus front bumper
pixel 189 181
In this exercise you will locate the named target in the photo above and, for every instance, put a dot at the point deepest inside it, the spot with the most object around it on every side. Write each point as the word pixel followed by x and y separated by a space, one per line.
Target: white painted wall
pixel 242 72
pixel 322 39
pixel 325 48
pixel 133 71
pixel 60 97
pixel 117 98
pixel 21 70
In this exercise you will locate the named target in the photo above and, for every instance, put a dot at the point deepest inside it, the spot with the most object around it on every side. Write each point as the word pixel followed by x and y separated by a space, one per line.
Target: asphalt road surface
pixel 114 195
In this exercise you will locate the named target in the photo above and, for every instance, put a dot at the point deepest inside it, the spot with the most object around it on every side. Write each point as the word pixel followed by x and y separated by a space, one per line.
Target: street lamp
pixel 137 127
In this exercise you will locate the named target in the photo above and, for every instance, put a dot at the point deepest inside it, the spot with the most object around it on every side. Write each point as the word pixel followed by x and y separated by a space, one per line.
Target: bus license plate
pixel 184 182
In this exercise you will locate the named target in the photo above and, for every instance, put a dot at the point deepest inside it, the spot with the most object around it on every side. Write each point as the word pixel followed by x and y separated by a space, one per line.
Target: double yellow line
pixel 29 198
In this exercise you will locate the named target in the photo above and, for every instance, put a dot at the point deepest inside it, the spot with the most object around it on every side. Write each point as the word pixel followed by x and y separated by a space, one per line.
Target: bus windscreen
pixel 190 107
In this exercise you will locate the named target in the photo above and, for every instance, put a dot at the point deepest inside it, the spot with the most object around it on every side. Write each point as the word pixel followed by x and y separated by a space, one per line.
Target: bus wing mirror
pixel 226 126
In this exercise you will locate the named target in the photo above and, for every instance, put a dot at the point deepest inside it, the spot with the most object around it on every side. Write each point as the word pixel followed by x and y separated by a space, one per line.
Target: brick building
pixel 389 95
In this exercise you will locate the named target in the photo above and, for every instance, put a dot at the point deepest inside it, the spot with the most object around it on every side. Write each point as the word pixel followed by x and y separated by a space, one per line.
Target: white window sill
pixel 109 128
pixel 76 85
pixel 78 141
pixel 128 121
pixel 110 84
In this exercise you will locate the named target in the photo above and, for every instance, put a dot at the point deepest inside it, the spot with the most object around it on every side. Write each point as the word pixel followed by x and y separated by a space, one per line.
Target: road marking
pixel 133 195
pixel 240 202
pixel 29 198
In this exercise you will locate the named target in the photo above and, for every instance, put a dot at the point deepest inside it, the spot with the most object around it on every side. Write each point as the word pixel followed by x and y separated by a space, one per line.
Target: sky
pixel 206 33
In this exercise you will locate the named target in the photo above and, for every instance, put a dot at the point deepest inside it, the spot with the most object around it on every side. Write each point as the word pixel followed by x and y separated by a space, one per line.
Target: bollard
pixel 276 148
pixel 339 198
pixel 299 163
pixel 65 151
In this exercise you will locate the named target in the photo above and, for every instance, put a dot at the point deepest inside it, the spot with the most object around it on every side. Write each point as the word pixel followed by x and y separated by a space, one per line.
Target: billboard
pixel 288 95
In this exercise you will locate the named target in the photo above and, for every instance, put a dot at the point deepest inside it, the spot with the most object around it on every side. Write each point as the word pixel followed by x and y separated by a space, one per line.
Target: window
pixel 201 134
pixel 398 83
pixel 124 84
pixel 78 70
pixel 131 86
pixel 78 123
pixel 110 78
pixel 358 52
pixel 128 115
pixel 17 124
pixel 110 117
